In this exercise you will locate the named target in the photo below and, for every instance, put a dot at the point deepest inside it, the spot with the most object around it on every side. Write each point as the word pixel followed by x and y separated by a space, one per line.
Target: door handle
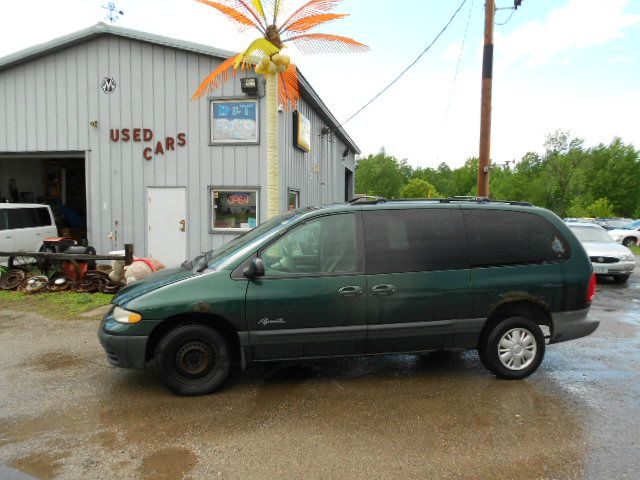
pixel 350 291
pixel 183 225
pixel 384 289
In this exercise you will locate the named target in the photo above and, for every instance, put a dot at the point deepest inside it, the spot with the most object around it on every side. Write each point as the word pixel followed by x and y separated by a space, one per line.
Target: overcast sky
pixel 560 64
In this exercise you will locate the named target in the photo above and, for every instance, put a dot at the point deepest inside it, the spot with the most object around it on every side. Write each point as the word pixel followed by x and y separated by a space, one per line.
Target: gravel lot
pixel 64 413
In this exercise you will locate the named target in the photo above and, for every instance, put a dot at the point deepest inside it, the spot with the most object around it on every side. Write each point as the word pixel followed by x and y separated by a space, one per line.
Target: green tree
pixel 418 188
pixel 382 175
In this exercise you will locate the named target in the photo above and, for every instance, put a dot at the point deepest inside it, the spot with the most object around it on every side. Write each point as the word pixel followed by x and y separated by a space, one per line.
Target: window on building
pixel 512 238
pixel 4 221
pixel 293 199
pixel 234 121
pixel 233 209
pixel 326 245
pixel 414 240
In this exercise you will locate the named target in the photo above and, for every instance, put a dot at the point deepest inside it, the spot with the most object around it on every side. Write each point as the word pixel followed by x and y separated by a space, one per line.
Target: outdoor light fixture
pixel 249 86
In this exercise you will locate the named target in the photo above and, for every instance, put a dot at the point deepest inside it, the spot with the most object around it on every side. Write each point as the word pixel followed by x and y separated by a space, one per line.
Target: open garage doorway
pixel 57 180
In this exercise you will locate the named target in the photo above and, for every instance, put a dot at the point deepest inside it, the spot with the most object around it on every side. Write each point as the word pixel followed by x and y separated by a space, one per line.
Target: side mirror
pixel 254 269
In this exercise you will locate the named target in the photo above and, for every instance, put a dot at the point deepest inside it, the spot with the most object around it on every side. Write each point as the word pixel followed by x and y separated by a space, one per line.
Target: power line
pixel 409 67
pixel 513 10
pixel 455 77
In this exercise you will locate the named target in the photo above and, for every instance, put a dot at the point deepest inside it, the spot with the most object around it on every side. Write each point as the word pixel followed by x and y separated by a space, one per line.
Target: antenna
pixel 113 14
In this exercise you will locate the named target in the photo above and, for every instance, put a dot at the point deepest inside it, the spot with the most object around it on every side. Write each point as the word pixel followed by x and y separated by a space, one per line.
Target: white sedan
pixel 629 235
pixel 607 257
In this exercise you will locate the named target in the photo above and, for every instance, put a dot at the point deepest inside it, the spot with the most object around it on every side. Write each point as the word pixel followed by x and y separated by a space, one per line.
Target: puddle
pixel 168 463
pixel 53 361
pixel 40 465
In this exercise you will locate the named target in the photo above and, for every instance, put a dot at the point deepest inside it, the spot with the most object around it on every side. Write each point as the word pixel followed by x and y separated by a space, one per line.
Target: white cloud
pixel 620 59
pixel 577 24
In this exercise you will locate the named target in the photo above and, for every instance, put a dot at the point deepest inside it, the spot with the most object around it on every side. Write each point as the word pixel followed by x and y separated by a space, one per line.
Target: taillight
pixel 591 292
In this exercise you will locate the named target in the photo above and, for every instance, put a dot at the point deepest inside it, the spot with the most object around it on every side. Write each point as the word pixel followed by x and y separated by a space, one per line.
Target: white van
pixel 23 226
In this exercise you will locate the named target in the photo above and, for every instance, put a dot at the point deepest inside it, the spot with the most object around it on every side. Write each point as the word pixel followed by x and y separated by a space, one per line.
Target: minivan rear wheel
pixel 513 349
pixel 193 360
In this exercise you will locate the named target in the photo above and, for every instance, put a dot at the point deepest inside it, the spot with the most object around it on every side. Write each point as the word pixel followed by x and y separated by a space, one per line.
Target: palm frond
pixel 311 43
pixel 216 78
pixel 307 23
pixel 276 10
pixel 289 88
pixel 313 7
pixel 258 48
pixel 260 9
pixel 232 13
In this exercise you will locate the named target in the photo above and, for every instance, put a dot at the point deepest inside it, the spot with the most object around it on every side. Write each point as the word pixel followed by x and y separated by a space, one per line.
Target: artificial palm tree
pixel 264 55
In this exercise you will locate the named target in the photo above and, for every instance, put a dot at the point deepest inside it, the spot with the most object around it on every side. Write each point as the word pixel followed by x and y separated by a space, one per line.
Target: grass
pixel 636 250
pixel 61 305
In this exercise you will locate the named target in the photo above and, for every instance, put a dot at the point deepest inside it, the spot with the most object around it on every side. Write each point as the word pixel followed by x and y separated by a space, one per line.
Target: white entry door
pixel 167 225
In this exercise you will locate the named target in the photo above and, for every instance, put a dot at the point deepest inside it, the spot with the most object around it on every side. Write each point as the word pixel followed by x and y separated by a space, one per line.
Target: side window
pixel 43 217
pixel 22 217
pixel 4 221
pixel 322 246
pixel 415 240
pixel 513 238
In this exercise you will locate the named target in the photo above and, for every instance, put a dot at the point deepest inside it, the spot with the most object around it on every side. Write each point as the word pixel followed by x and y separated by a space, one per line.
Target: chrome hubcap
pixel 517 349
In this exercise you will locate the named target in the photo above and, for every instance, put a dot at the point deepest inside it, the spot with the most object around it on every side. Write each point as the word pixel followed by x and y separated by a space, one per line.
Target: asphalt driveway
pixel 64 413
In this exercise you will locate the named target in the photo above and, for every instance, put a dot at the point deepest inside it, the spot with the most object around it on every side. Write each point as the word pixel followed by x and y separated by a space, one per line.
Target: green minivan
pixel 363 278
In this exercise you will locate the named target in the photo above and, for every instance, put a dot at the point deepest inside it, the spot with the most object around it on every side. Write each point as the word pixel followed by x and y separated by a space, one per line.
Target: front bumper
pixel 618 268
pixel 569 325
pixel 124 351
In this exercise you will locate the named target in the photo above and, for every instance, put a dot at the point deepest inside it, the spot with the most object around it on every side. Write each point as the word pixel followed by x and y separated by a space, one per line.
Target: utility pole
pixel 484 164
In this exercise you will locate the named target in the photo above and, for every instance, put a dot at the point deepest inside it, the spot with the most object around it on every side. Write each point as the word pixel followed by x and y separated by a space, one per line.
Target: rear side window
pixel 498 237
pixel 414 240
pixel 28 217
pixel 4 222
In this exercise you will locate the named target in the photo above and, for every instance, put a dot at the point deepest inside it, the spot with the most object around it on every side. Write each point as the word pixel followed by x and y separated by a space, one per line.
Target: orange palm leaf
pixel 216 78
pixel 253 8
pixel 289 87
pixel 322 42
pixel 232 13
pixel 313 7
pixel 307 23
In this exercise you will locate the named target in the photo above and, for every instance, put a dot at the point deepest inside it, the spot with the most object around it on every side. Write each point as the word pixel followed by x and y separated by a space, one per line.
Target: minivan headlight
pixel 121 315
pixel 627 257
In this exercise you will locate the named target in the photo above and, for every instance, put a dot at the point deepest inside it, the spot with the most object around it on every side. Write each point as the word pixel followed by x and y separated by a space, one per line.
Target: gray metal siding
pixel 47 104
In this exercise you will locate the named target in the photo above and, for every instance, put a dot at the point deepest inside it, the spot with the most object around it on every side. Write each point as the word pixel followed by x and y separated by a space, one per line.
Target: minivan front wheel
pixel 514 348
pixel 193 360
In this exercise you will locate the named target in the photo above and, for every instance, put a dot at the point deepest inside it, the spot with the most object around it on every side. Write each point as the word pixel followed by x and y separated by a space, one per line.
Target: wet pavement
pixel 64 413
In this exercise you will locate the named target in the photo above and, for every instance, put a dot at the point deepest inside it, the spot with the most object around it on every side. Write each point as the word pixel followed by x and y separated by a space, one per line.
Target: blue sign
pixel 235 110
pixel 234 121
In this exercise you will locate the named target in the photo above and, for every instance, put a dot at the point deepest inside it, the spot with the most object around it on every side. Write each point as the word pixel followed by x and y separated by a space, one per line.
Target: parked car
pixel 369 277
pixel 629 235
pixel 608 257
pixel 24 226
pixel 613 223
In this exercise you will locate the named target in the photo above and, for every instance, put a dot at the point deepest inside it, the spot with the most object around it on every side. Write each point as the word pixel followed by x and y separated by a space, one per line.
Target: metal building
pixel 100 124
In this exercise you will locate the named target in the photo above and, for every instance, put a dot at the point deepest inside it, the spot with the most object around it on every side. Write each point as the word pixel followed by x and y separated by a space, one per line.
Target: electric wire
pixel 409 67
pixel 513 10
pixel 455 76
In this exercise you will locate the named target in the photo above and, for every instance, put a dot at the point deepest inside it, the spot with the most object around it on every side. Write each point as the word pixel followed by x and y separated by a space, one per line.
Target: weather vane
pixel 114 13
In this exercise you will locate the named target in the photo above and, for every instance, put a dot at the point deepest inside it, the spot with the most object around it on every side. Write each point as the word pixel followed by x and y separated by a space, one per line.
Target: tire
pixel 522 365
pixel 629 242
pixel 193 360
pixel 621 278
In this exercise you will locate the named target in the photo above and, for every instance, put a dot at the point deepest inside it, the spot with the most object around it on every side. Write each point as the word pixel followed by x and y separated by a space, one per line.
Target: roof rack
pixel 373 200
pixel 367 200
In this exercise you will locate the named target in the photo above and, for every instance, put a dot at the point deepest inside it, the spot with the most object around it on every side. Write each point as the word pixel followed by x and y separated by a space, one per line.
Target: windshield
pixel 213 256
pixel 591 234
pixel 632 225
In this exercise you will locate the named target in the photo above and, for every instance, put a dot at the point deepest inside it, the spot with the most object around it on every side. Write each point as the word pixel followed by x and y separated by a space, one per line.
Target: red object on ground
pixel 69 270
pixel 145 260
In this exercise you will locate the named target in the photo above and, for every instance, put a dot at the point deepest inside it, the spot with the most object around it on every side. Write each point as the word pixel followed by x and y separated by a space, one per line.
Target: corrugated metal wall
pixel 47 104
